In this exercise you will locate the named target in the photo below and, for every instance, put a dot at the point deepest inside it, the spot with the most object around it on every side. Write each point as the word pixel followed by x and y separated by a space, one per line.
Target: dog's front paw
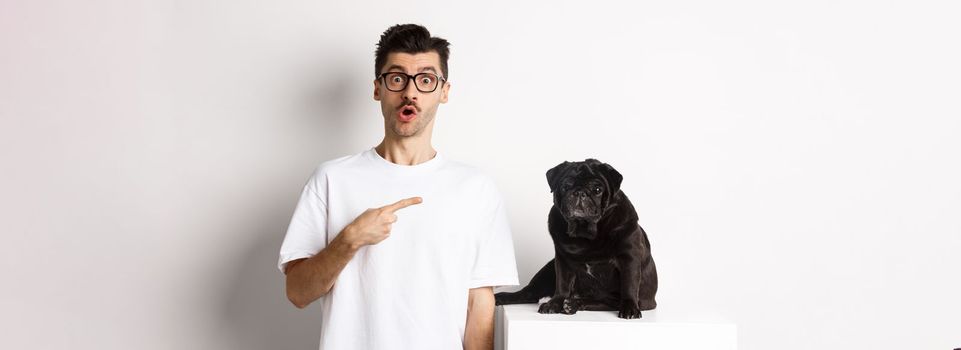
pixel 629 309
pixel 553 306
pixel 571 306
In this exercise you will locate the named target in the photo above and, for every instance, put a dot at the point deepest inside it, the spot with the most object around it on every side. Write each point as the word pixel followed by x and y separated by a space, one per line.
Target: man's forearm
pixel 310 279
pixel 479 333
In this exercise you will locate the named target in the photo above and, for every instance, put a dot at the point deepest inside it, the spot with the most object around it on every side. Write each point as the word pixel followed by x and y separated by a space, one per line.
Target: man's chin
pixel 406 130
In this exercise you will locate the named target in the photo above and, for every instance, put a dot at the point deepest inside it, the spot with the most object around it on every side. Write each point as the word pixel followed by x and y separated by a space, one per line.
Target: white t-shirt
pixel 410 290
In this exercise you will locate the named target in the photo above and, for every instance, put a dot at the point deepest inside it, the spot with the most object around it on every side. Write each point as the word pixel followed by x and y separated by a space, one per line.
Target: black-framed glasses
pixel 424 82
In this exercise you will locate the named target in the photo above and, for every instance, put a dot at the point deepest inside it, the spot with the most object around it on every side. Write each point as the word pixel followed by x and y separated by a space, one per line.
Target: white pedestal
pixel 520 327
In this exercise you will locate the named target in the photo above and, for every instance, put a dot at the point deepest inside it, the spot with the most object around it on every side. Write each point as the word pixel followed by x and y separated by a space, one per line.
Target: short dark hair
pixel 412 39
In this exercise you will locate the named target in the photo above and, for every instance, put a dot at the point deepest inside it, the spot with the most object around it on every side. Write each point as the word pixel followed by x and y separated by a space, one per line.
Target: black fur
pixel 602 257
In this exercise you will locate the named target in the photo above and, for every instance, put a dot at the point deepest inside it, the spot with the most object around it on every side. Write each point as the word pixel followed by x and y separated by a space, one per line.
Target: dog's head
pixel 583 191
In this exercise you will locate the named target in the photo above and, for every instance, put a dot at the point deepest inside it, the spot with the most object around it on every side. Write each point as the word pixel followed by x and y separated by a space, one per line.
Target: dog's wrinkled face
pixel 582 193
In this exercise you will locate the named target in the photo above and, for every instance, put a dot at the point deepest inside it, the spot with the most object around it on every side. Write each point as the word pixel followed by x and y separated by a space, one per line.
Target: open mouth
pixel 407 113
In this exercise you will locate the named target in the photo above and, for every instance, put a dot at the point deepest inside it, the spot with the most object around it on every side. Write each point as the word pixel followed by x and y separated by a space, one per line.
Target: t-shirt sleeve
pixel 307 232
pixel 495 264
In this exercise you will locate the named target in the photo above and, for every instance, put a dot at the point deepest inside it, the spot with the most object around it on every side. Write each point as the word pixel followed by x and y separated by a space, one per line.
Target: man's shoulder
pixel 477 180
pixel 469 171
pixel 345 161
pixel 317 181
pixel 461 166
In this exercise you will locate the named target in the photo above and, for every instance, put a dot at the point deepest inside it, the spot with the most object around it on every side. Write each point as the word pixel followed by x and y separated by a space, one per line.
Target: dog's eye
pixel 597 190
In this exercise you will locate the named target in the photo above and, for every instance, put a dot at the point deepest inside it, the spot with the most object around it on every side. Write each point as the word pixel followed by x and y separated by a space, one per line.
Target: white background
pixel 794 163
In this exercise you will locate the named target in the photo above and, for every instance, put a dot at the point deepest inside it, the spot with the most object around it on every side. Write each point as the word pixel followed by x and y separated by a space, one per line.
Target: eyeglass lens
pixel 425 82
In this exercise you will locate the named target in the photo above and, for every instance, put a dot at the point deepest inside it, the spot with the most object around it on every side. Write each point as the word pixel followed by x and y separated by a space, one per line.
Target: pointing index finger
pixel 403 203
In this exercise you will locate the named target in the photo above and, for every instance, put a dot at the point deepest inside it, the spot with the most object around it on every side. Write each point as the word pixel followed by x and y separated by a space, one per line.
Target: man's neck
pixel 405 152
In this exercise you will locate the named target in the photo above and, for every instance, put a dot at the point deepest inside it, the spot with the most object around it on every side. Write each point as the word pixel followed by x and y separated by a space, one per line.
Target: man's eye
pixel 426 80
pixel 397 79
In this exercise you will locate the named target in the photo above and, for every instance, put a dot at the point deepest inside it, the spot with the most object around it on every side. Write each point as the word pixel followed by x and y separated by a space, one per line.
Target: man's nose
pixel 410 92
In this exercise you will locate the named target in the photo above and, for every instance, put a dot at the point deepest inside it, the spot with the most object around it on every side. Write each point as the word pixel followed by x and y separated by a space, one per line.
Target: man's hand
pixel 309 279
pixel 479 333
pixel 373 225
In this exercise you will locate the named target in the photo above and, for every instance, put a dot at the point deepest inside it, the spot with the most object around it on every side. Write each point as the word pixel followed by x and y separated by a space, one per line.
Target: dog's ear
pixel 554 175
pixel 613 177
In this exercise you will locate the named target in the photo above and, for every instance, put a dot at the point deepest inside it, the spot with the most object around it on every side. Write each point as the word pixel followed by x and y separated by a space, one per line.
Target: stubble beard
pixel 401 129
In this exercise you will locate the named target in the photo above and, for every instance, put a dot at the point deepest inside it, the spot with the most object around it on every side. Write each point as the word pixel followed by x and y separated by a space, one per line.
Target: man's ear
pixel 613 177
pixel 376 89
pixel 444 91
pixel 554 175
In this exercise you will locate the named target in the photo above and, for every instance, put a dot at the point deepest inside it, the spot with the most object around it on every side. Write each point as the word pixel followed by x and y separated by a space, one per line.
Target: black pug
pixel 602 258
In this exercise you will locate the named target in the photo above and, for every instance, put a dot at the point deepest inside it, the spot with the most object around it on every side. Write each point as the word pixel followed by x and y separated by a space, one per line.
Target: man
pixel 401 245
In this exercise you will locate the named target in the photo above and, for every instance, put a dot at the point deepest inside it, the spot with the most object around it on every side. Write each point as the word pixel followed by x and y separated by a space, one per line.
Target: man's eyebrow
pixel 392 67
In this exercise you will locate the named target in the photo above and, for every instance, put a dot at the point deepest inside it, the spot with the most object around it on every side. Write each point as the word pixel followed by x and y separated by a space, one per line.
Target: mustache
pixel 414 104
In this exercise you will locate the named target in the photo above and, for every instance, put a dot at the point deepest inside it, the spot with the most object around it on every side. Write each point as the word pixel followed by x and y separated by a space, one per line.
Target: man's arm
pixel 309 279
pixel 479 333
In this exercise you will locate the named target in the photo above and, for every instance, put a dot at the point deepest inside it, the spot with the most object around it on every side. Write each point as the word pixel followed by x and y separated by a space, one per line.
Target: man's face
pixel 393 103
